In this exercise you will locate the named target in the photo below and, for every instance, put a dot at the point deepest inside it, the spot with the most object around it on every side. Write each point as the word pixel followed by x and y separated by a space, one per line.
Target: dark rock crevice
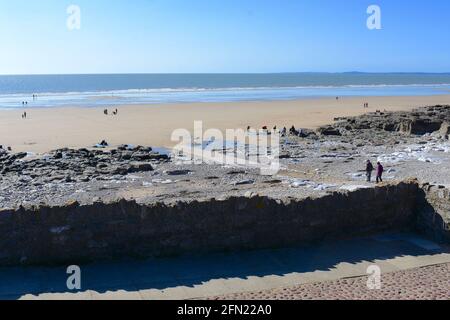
pixel 433 212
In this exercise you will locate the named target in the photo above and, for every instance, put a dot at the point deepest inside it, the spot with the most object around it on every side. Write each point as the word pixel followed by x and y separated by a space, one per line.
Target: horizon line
pixel 222 73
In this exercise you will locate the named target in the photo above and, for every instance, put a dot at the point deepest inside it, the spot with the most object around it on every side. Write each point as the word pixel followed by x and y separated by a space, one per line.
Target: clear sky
pixel 157 36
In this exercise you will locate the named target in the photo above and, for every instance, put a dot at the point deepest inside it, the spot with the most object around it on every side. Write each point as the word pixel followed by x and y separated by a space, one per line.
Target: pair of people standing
pixel 370 168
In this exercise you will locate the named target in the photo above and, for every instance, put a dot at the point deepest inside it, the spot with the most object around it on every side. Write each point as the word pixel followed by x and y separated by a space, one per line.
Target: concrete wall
pixel 76 234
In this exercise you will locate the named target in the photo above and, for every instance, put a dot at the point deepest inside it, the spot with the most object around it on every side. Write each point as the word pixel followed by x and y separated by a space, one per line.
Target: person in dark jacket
pixel 380 171
pixel 369 169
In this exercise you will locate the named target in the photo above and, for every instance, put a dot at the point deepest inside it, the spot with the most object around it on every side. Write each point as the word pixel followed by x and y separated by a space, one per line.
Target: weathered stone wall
pixel 433 212
pixel 76 234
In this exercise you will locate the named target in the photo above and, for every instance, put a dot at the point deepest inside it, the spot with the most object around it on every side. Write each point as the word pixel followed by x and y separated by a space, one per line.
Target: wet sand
pixel 152 125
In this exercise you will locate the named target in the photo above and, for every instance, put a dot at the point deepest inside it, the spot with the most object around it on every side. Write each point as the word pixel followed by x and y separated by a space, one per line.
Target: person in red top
pixel 380 171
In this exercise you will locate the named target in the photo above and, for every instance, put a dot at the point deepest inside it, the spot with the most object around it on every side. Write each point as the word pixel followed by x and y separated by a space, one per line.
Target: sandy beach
pixel 152 125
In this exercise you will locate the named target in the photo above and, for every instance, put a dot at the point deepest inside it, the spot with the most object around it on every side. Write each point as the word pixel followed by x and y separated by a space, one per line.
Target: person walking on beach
pixel 380 171
pixel 369 169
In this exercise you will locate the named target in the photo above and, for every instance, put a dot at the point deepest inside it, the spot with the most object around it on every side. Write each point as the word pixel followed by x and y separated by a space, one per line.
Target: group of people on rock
pixel 294 132
pixel 283 132
pixel 370 168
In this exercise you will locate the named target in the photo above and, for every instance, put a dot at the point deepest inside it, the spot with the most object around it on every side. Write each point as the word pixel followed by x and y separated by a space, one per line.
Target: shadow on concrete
pixel 188 271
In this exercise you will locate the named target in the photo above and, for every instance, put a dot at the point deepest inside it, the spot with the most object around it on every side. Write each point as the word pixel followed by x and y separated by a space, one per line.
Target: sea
pixel 95 90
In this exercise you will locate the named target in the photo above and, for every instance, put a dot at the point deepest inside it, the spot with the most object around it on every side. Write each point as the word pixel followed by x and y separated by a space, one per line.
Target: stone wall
pixel 77 234
pixel 433 212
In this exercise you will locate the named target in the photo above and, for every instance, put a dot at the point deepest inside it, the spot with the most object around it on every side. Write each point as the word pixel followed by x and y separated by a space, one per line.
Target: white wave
pixel 224 89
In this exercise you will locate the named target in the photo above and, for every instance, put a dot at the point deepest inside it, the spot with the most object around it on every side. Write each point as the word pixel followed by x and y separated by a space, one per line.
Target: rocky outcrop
pixel 329 131
pixel 419 122
pixel 445 129
pixel 76 234
pixel 80 165
pixel 420 126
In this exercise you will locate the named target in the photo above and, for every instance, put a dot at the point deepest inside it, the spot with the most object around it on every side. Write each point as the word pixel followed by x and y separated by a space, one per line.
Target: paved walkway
pixel 224 274
pixel 426 283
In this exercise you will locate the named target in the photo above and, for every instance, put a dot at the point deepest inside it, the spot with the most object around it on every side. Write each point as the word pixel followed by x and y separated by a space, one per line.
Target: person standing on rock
pixel 369 169
pixel 380 171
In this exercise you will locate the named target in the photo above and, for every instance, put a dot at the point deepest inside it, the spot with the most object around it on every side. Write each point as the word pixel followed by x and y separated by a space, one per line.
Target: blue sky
pixel 157 36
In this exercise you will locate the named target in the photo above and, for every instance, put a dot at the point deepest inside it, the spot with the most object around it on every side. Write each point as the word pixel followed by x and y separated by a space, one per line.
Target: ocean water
pixel 122 89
